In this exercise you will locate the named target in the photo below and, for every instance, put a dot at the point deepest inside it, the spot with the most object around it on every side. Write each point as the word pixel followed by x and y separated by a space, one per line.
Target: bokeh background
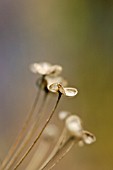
pixel 77 35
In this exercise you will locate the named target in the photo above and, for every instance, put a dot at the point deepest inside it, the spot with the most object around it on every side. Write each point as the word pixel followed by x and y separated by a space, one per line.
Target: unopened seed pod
pixel 73 125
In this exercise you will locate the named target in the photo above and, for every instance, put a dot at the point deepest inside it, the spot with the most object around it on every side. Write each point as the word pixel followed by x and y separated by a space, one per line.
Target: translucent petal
pixel 54 87
pixel 73 124
pixel 88 137
pixel 70 91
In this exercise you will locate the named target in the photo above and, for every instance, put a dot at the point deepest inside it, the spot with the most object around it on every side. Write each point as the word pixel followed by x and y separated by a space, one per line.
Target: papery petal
pixel 56 87
pixel 53 87
pixel 70 91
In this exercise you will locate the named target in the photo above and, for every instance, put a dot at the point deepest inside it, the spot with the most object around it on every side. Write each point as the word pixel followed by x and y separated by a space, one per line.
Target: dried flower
pixel 71 132
pixel 74 126
pixel 77 135
pixel 67 91
pixel 48 73
pixel 46 69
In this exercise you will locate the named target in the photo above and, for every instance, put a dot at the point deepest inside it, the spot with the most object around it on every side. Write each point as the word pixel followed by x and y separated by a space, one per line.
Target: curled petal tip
pixel 88 138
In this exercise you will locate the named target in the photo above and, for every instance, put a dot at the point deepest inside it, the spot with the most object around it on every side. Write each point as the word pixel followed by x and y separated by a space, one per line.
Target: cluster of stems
pixel 40 146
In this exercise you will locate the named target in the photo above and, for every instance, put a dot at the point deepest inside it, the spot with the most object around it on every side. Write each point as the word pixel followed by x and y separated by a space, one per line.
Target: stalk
pixel 26 140
pixel 56 148
pixel 19 137
pixel 60 154
pixel 38 137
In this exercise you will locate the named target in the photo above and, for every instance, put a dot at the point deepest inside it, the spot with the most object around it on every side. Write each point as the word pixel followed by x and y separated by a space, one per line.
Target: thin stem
pixel 34 163
pixel 60 154
pixel 19 137
pixel 38 137
pixel 27 137
pixel 58 145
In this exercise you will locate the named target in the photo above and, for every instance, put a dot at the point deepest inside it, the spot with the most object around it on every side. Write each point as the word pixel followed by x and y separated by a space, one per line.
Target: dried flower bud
pixel 46 68
pixel 63 115
pixel 67 91
pixel 73 125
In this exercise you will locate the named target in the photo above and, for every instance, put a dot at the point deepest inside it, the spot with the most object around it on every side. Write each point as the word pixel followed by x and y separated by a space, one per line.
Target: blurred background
pixel 77 35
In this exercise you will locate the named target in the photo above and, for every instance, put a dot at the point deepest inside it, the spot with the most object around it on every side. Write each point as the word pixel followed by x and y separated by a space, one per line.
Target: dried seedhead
pixel 58 140
pixel 67 91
